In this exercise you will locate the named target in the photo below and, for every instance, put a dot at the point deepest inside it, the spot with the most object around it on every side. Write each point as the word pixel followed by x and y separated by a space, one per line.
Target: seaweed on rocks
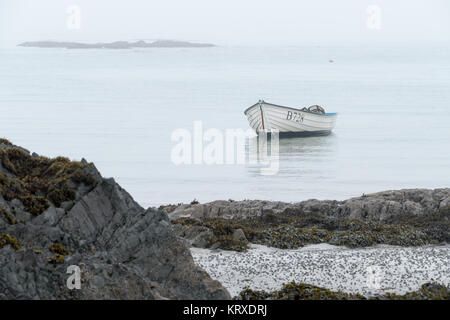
pixel 6 239
pixel 302 291
pixel 39 182
pixel 58 248
pixel 297 291
pixel 292 229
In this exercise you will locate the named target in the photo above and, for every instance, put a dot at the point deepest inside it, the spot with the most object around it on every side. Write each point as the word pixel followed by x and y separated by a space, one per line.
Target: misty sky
pixel 228 22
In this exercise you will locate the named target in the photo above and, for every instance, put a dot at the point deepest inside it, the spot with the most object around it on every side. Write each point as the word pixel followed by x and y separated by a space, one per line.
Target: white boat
pixel 264 117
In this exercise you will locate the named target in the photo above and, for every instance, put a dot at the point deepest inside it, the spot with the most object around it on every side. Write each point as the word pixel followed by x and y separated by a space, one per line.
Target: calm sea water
pixel 118 109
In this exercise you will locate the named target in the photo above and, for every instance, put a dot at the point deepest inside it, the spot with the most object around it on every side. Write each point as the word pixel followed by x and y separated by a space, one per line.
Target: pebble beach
pixel 394 269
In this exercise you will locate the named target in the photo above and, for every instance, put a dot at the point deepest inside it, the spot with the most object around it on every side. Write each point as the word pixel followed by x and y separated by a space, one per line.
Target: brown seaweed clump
pixel 298 291
pixel 57 259
pixel 6 239
pixel 58 249
pixel 303 291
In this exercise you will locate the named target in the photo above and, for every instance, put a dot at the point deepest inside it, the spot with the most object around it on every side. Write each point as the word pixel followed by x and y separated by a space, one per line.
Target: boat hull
pixel 264 117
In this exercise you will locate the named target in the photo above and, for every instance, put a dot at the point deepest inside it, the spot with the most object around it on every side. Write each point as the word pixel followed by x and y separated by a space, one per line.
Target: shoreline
pixel 257 248
pixel 409 217
pixel 55 212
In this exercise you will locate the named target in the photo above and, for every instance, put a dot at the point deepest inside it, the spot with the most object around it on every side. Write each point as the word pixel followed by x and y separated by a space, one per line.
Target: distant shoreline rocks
pixel 116 44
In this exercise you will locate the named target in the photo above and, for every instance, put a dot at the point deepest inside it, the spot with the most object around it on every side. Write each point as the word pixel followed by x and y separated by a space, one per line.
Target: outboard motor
pixel 316 109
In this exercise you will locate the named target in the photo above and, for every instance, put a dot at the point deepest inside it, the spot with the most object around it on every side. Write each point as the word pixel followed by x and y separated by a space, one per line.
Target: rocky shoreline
pixel 411 217
pixel 56 212
pixel 259 244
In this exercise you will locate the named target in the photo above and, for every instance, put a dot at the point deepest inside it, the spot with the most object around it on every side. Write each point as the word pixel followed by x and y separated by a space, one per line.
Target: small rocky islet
pixel 116 44
pixel 55 212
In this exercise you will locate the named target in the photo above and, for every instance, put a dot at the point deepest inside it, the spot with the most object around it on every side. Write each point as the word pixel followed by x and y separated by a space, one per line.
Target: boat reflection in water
pixel 296 157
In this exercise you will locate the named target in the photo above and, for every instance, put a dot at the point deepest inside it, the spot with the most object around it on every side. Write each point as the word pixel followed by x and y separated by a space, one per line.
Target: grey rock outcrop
pixel 122 250
pixel 239 235
pixel 404 218
pixel 195 236
pixel 379 206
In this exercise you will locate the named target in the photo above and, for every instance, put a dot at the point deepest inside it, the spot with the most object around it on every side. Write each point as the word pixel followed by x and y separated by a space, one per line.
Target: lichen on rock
pixel 39 182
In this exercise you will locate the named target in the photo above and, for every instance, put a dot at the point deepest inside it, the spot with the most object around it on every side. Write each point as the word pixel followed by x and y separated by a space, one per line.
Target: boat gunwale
pixel 277 105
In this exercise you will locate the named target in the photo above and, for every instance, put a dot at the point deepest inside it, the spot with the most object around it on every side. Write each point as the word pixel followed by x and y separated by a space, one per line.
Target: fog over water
pixel 389 81
pixel 232 22
pixel 119 109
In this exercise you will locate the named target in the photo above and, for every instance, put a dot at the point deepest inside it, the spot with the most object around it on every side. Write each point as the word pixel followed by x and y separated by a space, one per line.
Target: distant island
pixel 116 44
